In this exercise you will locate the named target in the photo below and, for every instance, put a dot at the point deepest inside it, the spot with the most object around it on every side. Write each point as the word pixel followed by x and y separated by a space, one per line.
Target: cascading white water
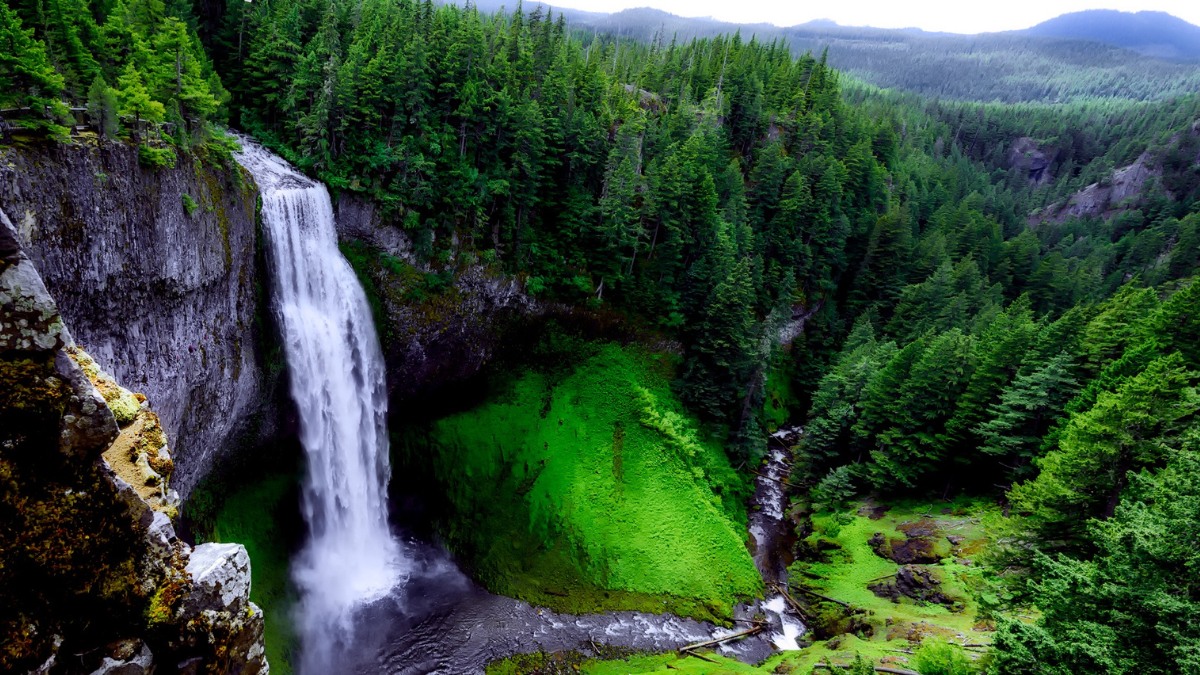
pixel 337 381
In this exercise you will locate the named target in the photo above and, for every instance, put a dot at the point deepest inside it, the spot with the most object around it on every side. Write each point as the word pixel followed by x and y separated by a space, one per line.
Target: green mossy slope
pixel 592 490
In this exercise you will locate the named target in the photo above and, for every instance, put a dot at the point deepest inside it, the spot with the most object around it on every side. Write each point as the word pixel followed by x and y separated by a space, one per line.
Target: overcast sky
pixel 956 16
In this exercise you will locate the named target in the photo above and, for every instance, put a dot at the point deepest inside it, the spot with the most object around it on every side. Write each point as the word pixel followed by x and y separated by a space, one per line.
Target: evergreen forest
pixel 958 296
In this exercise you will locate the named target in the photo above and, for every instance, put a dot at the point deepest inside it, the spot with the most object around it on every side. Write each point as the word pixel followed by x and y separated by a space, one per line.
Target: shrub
pixel 156 158
pixel 938 657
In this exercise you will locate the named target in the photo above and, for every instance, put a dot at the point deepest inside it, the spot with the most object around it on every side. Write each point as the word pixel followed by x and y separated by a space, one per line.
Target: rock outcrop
pixel 155 272
pixel 1035 161
pixel 92 575
pixel 431 338
pixel 1123 190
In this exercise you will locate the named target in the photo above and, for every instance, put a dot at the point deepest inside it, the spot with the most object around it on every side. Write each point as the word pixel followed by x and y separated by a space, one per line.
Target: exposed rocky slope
pixel 92 576
pixel 1028 156
pixel 430 340
pixel 161 294
pixel 1124 189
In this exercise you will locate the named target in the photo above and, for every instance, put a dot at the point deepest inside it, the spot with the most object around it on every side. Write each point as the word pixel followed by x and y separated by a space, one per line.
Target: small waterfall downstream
pixel 769 529
pixel 337 381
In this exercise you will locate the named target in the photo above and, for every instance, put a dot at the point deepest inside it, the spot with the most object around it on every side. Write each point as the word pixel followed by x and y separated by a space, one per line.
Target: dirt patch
pixel 915 632
pixel 925 527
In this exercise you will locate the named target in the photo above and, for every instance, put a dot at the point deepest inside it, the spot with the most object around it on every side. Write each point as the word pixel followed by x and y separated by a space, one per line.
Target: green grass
pixel 852 565
pixel 592 490
pixel 252 515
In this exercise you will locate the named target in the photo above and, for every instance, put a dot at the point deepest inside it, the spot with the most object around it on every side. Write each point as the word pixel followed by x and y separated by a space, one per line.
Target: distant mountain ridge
pixel 1156 34
pixel 1015 66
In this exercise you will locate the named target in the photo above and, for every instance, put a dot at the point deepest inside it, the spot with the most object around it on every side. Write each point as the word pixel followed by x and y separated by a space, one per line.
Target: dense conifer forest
pixel 714 190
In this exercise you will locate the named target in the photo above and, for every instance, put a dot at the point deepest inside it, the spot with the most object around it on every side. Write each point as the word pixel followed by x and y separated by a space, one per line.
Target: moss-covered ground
pixel 587 488
pixel 846 565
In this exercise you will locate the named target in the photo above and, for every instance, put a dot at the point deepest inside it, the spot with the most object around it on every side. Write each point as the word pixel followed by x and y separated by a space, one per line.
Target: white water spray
pixel 337 381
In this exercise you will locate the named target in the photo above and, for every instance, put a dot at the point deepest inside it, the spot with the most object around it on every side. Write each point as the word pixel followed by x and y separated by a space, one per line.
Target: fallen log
pixel 886 576
pixel 790 600
pixel 757 628
pixel 826 598
pixel 701 657
pixel 777 480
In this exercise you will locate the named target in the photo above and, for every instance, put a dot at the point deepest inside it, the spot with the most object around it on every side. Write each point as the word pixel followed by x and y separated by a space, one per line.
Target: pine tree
pixel 999 351
pixel 27 80
pixel 720 363
pixel 102 108
pixel 838 398
pixel 135 100
pixel 621 229
pixel 1026 411
pixel 1129 429
pixel 1131 606
pixel 913 446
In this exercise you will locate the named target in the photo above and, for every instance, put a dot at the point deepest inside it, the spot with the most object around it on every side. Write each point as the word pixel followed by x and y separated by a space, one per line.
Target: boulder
pixel 128 657
pixel 220 576
pixel 916 583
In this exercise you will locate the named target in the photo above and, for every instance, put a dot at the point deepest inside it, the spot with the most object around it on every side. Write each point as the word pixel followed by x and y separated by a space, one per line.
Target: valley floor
pixel 919 557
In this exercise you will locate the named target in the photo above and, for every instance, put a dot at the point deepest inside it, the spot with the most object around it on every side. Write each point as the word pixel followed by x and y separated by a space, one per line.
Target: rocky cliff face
pixel 1028 156
pixel 1123 190
pixel 430 338
pixel 154 270
pixel 92 576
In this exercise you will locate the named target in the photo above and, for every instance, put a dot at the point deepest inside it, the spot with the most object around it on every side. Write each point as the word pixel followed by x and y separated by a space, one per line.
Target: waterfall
pixel 337 381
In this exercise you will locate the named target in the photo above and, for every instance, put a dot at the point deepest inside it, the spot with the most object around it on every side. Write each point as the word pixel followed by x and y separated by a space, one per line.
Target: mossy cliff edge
pixel 92 576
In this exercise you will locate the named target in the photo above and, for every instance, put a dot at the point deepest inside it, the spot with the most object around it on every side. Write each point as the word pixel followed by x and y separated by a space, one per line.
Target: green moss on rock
pixel 592 489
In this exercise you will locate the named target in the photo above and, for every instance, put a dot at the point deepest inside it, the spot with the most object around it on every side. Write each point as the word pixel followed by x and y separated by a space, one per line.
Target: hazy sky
pixel 956 16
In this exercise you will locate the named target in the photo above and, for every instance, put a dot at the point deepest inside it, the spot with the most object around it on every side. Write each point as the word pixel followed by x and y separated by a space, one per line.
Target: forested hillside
pixel 710 191
pixel 136 68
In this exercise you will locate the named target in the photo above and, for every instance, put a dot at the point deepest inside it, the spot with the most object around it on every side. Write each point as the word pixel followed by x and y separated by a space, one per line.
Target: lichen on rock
pixel 88 565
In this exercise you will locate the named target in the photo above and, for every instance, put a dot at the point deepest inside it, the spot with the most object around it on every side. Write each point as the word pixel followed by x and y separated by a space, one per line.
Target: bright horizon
pixel 932 15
